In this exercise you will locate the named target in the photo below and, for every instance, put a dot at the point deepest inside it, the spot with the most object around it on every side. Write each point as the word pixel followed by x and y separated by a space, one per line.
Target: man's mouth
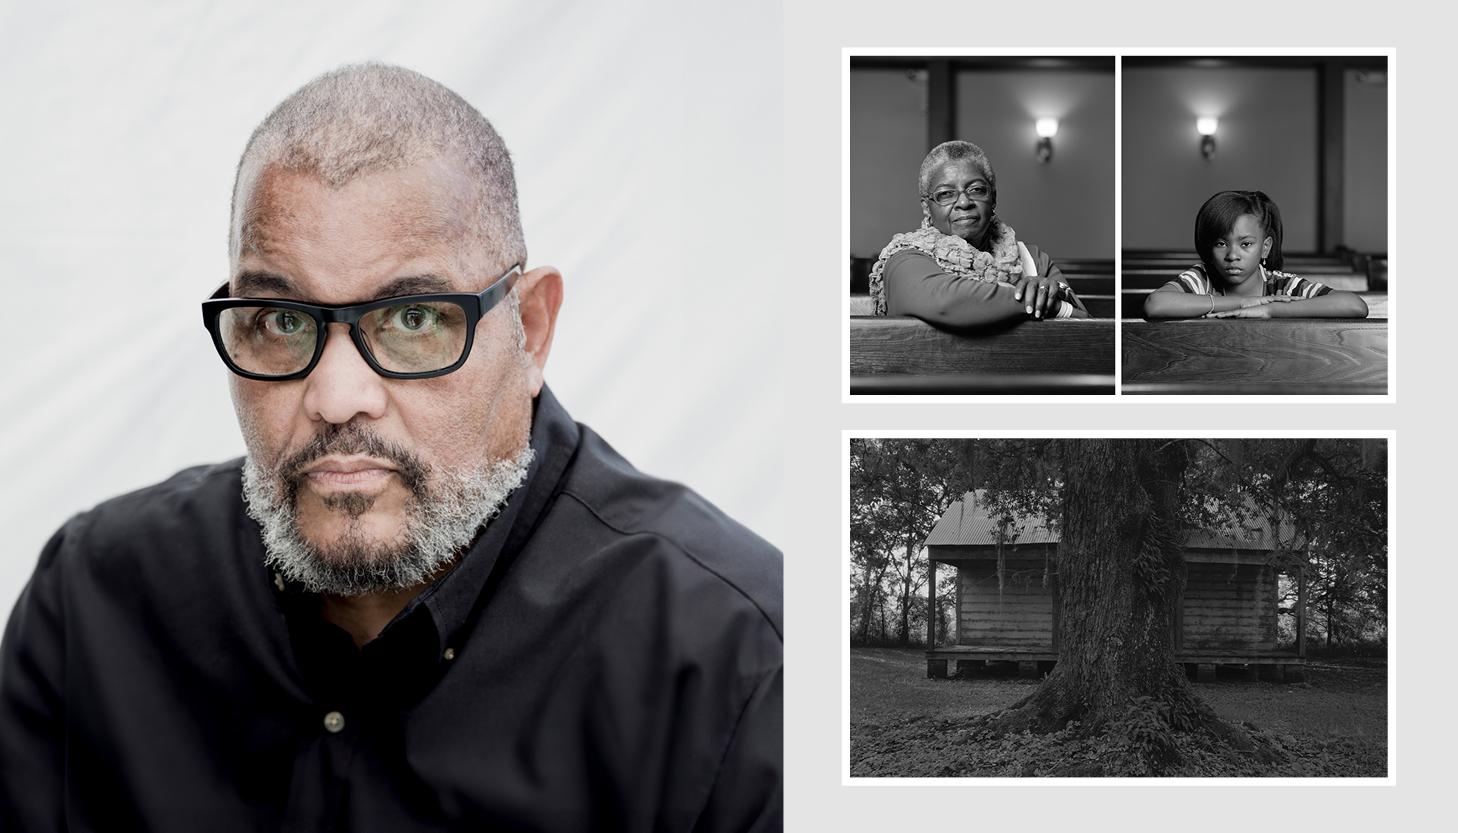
pixel 346 459
pixel 352 472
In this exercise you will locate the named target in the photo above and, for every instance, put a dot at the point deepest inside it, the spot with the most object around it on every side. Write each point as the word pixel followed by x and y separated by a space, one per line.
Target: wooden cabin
pixel 1227 618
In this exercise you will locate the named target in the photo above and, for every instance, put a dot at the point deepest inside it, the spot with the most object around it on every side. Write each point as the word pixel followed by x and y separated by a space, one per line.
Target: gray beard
pixel 442 518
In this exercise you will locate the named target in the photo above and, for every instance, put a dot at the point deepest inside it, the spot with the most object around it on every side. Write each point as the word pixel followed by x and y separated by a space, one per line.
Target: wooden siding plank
pixel 1017 615
pixel 1229 606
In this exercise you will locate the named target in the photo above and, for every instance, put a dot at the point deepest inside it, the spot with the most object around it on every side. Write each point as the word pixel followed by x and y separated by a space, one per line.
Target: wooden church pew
pixel 1280 356
pixel 907 355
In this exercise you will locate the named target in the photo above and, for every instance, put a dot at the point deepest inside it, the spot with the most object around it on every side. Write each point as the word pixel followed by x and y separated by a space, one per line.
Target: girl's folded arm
pixel 1169 301
pixel 1337 303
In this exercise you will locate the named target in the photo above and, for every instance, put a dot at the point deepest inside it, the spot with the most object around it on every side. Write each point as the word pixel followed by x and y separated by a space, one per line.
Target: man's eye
pixel 284 322
pixel 412 319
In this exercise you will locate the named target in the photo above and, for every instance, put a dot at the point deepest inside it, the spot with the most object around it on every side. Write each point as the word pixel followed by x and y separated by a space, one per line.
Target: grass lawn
pixel 904 724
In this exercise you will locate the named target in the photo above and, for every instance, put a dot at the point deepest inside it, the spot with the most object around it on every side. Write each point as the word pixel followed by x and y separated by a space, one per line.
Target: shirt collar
pixel 455 598
pixel 445 608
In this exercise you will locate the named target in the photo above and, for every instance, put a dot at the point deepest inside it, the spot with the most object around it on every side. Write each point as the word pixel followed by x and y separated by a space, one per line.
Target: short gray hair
pixel 948 152
pixel 372 117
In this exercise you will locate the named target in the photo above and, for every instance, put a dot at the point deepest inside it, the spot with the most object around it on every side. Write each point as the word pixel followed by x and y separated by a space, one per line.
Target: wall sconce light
pixel 1207 126
pixel 1047 129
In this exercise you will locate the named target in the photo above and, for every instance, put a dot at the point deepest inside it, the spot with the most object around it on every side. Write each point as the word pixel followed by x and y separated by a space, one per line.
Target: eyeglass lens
pixel 410 338
pixel 977 192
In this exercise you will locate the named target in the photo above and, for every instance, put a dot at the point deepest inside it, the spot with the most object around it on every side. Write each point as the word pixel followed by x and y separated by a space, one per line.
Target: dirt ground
pixel 903 724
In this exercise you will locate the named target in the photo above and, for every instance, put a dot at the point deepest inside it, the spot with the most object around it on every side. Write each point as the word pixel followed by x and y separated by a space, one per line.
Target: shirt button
pixel 334 722
pixel 450 654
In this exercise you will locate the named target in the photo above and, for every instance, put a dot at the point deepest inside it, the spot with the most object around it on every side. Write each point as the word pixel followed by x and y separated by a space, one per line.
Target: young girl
pixel 1238 236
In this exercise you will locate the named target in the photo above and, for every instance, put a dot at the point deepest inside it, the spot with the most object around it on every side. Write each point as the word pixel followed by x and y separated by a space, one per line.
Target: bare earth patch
pixel 903 724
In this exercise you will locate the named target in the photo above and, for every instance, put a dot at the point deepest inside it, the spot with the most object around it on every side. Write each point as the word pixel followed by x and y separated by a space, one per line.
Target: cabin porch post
pixel 957 637
pixel 931 598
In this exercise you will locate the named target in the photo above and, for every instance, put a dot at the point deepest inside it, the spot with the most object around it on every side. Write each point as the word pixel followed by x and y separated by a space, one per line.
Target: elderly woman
pixel 964 267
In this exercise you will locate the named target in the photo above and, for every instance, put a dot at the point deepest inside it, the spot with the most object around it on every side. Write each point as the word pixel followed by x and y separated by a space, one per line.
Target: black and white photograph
pixel 1118 608
pixel 1254 249
pixel 981 224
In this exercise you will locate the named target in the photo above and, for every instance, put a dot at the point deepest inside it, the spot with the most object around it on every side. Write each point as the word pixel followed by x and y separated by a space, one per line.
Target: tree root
pixel 1173 735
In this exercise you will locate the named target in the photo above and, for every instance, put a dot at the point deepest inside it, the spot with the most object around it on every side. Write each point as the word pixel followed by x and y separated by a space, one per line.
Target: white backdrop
pixel 647 140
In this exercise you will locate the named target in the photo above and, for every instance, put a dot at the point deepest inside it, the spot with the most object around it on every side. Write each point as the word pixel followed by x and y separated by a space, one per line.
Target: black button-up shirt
pixel 608 655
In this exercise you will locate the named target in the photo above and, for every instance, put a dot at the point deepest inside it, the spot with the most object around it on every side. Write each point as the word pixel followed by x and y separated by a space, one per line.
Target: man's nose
pixel 964 197
pixel 343 385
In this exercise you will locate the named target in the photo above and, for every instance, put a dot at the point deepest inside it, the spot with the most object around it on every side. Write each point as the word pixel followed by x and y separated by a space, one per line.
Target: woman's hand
pixel 1258 307
pixel 1040 296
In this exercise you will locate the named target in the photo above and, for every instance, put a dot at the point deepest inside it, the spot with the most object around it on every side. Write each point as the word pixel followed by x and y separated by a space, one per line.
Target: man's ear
pixel 540 294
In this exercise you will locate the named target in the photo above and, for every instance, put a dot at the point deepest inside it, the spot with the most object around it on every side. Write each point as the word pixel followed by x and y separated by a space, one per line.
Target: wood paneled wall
pixel 1020 615
pixel 1230 606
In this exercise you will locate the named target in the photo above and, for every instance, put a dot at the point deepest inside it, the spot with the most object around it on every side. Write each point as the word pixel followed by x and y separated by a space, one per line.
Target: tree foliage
pixel 899 488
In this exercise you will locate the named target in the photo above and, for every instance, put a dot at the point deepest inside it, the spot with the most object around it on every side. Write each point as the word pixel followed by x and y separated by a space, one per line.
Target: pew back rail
pixel 908 346
pixel 1295 356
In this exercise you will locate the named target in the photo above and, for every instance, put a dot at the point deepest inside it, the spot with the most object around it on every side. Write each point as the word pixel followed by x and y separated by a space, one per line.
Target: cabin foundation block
pixel 970 667
pixel 1270 673
pixel 936 669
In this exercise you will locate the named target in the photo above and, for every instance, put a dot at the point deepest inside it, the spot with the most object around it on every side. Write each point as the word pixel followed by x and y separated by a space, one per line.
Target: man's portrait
pixel 315 540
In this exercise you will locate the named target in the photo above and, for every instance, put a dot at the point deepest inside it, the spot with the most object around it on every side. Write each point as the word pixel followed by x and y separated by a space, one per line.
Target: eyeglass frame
pixel 475 305
pixel 991 195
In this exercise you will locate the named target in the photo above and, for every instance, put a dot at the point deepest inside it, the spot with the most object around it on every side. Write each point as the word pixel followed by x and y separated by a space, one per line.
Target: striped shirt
pixel 1194 281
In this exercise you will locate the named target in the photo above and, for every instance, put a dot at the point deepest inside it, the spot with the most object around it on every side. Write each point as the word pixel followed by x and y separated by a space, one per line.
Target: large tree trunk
pixel 1121 575
pixel 884 639
pixel 873 593
pixel 906 592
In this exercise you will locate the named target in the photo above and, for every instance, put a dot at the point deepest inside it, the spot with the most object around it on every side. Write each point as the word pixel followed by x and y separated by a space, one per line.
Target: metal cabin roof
pixel 968 523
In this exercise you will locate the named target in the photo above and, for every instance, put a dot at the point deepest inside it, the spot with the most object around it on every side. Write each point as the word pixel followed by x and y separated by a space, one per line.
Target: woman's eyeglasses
pixel 409 337
pixel 977 192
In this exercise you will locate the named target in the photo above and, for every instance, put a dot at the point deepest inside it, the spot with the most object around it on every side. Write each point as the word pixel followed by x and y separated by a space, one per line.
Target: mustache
pixel 355 438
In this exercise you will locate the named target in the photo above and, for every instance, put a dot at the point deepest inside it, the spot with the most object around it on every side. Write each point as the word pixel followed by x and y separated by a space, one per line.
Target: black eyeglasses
pixel 409 337
pixel 977 192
